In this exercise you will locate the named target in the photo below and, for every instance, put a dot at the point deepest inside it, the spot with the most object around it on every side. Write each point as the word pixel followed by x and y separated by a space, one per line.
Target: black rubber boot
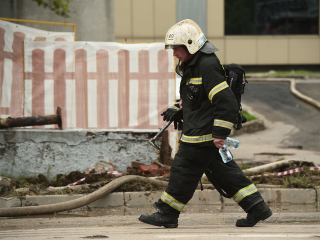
pixel 158 219
pixel 258 212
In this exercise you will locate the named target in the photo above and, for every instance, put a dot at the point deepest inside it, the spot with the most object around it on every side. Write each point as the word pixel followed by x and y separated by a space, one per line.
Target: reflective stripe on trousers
pixel 172 202
pixel 246 191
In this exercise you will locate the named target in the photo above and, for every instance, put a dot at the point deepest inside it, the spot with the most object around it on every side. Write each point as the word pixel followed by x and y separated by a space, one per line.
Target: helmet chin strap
pixel 177 69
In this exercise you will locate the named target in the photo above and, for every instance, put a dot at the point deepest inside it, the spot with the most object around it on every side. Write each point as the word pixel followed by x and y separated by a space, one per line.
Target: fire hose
pixel 87 199
pixel 79 202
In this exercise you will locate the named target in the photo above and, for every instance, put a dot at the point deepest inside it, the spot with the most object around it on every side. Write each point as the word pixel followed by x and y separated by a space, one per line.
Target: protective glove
pixel 173 113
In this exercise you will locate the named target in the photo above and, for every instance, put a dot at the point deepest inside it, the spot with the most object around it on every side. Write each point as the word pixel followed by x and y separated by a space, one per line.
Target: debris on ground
pixel 5 183
pixel 156 169
pixel 105 165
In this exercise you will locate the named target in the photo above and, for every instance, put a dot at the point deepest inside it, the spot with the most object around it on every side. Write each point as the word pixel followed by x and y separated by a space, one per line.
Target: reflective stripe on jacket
pixel 209 106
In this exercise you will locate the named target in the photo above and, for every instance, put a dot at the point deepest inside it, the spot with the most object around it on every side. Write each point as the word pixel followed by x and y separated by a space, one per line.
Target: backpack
pixel 236 79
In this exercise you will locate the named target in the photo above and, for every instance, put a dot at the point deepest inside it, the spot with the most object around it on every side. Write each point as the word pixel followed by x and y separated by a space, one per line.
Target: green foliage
pixel 60 7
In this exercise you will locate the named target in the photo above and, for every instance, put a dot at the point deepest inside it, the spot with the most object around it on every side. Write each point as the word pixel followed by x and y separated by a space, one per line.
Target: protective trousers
pixel 188 166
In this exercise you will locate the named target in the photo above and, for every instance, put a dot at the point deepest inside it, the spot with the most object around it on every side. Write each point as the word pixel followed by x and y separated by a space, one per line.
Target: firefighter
pixel 209 110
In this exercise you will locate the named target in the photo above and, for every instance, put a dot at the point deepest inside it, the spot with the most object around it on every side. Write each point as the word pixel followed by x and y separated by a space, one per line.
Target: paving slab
pixel 10 202
pixel 289 195
pixel 205 197
pixel 111 200
pixel 141 198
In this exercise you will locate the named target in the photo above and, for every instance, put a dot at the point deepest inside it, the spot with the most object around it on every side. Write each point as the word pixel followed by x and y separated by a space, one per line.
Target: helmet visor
pixel 170 46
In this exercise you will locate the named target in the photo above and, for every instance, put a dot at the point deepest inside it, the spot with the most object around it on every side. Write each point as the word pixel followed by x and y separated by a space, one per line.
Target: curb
pixel 293 89
pixel 296 76
pixel 271 194
pixel 249 127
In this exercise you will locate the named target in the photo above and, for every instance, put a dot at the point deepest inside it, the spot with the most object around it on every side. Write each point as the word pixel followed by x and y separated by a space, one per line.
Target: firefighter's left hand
pixel 219 142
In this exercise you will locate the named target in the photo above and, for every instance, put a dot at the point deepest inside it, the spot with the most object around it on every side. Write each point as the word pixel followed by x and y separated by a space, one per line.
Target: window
pixel 195 10
pixel 271 17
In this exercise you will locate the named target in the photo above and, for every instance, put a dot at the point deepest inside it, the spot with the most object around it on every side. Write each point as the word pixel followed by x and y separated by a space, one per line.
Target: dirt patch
pixel 304 179
pixel 40 185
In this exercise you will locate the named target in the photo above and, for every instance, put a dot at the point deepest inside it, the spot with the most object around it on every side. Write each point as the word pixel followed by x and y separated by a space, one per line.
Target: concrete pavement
pixel 220 226
pixel 271 140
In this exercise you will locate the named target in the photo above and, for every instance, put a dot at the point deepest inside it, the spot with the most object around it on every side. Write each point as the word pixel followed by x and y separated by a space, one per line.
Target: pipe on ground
pixel 270 167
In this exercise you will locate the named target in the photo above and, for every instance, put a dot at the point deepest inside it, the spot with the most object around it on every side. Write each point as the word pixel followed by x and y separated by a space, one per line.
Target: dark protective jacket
pixel 209 106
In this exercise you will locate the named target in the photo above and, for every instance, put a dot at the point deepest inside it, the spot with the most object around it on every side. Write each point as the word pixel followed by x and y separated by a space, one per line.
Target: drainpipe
pixel 32 121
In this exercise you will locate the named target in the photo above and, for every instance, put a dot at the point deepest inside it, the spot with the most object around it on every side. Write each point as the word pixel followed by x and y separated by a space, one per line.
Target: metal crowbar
pixel 152 141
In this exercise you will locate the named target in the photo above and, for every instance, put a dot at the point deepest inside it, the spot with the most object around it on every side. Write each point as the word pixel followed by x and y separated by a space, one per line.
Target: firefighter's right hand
pixel 173 113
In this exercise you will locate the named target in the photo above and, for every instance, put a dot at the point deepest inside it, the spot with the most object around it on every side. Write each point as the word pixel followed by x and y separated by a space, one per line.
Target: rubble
pixel 5 183
pixel 105 165
pixel 157 169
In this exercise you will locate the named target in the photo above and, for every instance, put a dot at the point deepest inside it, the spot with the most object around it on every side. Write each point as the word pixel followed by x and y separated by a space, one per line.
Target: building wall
pixel 143 20
pixel 149 20
pixel 94 19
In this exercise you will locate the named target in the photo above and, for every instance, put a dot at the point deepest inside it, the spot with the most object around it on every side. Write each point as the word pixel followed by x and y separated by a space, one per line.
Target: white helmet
pixel 186 33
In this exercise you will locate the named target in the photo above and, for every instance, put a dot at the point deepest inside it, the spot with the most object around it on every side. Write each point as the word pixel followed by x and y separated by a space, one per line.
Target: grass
pixel 22 182
pixel 297 181
pixel 244 166
pixel 248 116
